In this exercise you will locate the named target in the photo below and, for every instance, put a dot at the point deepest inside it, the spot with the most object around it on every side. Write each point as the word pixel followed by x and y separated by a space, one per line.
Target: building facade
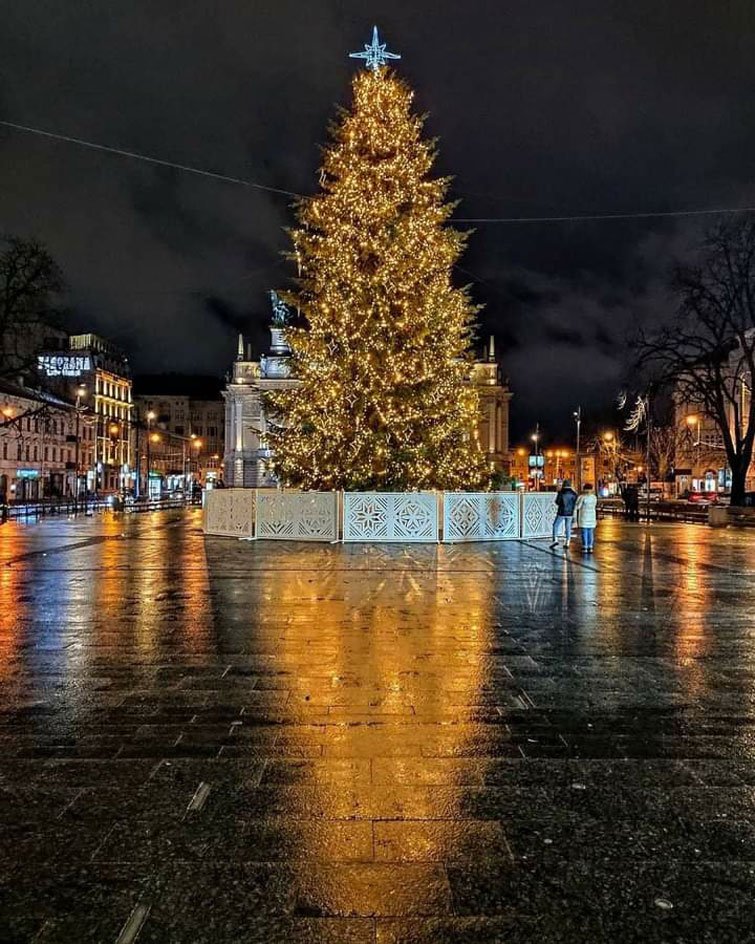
pixel 181 424
pixel 247 458
pixel 701 463
pixel 96 373
pixel 495 397
pixel 43 440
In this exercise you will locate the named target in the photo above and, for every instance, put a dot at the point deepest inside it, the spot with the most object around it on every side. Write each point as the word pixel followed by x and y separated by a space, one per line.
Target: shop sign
pixel 64 365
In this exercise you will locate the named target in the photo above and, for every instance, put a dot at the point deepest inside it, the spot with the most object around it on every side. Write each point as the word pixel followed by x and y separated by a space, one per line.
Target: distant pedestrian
pixel 586 516
pixel 632 502
pixel 566 499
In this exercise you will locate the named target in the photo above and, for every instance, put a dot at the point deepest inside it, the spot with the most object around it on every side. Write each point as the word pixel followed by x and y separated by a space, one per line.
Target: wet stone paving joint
pixel 208 740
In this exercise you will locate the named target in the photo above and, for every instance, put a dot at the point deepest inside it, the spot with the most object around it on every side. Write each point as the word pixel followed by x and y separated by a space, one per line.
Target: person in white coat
pixel 586 515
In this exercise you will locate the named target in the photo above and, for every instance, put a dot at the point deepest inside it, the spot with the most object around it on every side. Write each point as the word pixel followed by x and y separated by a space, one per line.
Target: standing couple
pixel 570 506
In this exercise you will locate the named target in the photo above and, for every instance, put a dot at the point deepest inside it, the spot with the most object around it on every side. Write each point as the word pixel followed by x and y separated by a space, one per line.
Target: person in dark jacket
pixel 632 502
pixel 566 499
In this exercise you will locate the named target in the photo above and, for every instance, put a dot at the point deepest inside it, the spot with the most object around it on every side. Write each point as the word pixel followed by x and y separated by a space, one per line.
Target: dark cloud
pixel 542 108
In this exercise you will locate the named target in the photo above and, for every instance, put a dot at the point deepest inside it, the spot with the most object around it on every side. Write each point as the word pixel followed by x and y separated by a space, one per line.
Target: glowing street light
pixel 535 437
pixel 150 417
pixel 693 420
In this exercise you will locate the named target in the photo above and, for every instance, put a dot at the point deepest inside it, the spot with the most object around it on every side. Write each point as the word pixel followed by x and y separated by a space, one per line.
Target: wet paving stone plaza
pixel 210 740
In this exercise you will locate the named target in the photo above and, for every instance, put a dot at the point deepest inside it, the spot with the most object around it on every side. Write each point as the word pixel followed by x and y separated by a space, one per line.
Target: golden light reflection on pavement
pixel 421 743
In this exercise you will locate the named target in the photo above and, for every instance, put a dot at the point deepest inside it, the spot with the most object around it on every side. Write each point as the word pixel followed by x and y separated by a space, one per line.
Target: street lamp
pixel 150 417
pixel 536 440
pixel 197 444
pixel 559 454
pixel 577 414
pixel 611 446
pixel 693 421
pixel 80 392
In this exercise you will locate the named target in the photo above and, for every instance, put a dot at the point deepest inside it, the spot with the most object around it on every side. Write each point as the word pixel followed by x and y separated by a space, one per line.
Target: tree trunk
pixel 738 477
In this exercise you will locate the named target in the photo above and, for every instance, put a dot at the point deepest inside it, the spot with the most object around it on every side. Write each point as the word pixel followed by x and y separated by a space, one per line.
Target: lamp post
pixel 150 417
pixel 197 444
pixel 611 446
pixel 536 440
pixel 155 439
pixel 693 421
pixel 80 392
pixel 577 414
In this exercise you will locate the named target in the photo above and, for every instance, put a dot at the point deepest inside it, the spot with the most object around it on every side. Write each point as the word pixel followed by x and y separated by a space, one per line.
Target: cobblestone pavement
pixel 207 740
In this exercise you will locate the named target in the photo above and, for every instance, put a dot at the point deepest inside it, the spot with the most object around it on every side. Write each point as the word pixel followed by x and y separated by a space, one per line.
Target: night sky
pixel 542 108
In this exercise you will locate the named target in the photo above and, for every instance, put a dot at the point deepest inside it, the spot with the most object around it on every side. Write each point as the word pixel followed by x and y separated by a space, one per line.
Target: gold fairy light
pixel 382 399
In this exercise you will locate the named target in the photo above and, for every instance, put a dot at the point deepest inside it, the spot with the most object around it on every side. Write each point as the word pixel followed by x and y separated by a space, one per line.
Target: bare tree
pixel 613 451
pixel 29 281
pixel 707 351
pixel 666 442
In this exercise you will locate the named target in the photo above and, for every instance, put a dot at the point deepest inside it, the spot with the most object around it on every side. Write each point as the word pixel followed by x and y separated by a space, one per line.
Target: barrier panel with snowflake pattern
pixel 290 515
pixel 390 516
pixel 481 516
pixel 230 512
pixel 538 514
pixel 284 515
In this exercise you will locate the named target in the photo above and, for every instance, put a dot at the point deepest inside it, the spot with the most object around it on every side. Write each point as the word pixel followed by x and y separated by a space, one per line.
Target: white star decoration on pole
pixel 375 54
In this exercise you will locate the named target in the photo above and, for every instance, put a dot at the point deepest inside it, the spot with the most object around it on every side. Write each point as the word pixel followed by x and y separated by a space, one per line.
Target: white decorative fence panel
pixel 390 516
pixel 538 512
pixel 481 516
pixel 297 516
pixel 230 512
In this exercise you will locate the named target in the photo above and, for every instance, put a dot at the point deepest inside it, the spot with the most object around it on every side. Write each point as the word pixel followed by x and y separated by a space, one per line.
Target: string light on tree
pixel 383 399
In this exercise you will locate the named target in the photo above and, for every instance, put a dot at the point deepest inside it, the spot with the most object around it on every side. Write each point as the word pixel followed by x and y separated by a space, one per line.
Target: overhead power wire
pixel 605 216
pixel 93 145
pixel 226 178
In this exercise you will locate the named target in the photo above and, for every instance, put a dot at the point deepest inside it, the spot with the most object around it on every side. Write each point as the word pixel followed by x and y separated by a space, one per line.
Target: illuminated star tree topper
pixel 375 54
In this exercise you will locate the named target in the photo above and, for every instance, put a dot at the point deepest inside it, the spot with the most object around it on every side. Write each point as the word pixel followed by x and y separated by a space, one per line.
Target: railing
pixel 68 507
pixel 659 511
pixel 378 517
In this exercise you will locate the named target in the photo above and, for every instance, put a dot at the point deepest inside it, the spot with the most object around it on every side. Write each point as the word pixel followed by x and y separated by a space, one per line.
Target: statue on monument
pixel 280 310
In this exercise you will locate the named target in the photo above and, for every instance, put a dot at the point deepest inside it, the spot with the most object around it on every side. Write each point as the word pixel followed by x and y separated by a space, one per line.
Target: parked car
pixel 702 498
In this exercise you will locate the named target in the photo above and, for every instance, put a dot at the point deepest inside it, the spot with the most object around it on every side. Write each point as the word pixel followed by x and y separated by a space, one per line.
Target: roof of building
pixel 194 386
pixel 32 393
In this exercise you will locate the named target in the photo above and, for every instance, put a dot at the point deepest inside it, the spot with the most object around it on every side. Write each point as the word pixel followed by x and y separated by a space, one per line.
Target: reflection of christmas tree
pixel 382 400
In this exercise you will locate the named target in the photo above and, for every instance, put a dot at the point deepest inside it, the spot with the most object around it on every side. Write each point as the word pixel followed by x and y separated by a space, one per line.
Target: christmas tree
pixel 383 399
